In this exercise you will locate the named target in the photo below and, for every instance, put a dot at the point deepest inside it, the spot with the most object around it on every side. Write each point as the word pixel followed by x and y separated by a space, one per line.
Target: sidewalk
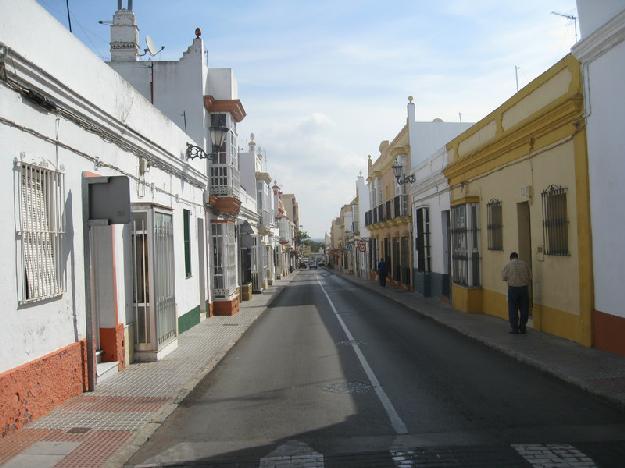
pixel 105 427
pixel 597 372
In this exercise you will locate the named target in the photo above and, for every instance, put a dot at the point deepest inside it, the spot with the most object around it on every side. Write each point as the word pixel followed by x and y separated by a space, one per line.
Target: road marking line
pixel 293 454
pixel 396 421
pixel 403 458
pixel 541 455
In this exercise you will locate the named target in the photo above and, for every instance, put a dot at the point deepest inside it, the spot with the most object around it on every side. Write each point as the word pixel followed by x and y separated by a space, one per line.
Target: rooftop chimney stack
pixel 124 35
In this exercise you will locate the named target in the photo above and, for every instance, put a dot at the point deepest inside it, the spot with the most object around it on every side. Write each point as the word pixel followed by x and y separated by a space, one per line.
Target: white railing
pixel 224 181
pixel 285 230
pixel 267 218
pixel 247 201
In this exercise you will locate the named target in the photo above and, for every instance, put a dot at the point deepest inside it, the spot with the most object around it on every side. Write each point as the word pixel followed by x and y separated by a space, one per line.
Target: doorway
pixel 446 221
pixel 525 241
pixel 202 276
pixel 153 282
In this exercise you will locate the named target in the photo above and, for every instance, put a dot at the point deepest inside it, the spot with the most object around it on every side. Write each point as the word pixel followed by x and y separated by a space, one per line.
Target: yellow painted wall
pixel 539 141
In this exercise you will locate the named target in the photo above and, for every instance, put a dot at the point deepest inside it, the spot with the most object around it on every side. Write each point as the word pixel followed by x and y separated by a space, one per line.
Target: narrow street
pixel 335 375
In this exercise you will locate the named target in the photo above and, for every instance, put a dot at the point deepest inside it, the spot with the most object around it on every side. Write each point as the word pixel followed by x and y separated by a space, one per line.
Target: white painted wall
pixel 432 191
pixel 221 84
pixel 604 68
pixel 99 93
pixel 426 138
pixel 177 87
pixel 362 193
pixel 595 13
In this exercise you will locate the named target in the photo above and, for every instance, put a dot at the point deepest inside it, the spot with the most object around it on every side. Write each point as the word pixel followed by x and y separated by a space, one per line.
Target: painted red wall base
pixel 608 332
pixel 32 390
pixel 226 307
pixel 112 344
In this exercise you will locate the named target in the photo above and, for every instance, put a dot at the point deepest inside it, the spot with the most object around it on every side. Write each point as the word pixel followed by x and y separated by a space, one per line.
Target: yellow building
pixel 389 221
pixel 519 182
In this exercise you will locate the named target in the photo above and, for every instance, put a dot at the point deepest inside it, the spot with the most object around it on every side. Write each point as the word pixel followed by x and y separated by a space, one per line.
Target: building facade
pixel 602 54
pixel 519 182
pixel 79 294
pixel 202 101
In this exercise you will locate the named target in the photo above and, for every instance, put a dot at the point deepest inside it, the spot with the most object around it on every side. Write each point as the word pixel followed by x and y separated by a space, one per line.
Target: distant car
pixel 312 265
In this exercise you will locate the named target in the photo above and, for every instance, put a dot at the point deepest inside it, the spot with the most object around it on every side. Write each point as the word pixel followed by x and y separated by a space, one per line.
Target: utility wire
pixel 69 19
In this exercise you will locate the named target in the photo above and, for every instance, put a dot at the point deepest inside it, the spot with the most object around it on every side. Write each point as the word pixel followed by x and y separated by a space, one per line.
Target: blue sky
pixel 324 82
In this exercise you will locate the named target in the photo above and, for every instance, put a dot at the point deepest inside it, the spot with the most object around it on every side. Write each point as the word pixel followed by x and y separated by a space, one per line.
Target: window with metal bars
pixel 224 259
pixel 465 245
pixel 555 221
pixel 40 198
pixel 186 218
pixel 494 225
pixel 424 261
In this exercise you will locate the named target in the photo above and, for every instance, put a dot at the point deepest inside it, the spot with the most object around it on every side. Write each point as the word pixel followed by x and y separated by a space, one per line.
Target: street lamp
pixel 398 171
pixel 217 135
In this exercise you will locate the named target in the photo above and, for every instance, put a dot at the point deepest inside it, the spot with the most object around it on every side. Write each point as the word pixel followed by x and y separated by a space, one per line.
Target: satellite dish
pixel 151 47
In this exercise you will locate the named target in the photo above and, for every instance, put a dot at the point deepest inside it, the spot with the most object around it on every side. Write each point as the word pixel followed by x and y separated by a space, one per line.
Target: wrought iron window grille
pixel 555 221
pixel 494 224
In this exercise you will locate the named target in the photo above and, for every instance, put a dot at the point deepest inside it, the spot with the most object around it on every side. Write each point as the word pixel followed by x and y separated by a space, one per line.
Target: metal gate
pixel 164 291
pixel 141 278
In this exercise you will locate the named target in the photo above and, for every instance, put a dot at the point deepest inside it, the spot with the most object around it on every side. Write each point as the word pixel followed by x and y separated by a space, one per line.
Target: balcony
pixel 266 222
pixel 388 211
pixel 286 236
pixel 225 187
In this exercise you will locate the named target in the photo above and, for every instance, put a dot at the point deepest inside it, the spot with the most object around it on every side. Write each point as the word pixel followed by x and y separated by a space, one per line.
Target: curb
pixel 538 365
pixel 143 434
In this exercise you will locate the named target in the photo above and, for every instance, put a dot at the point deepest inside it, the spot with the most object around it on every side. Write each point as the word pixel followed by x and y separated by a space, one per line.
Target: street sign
pixel 109 199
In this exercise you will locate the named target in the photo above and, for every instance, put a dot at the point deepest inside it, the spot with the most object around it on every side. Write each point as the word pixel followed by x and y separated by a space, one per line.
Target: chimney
pixel 124 35
pixel 412 137
pixel 252 144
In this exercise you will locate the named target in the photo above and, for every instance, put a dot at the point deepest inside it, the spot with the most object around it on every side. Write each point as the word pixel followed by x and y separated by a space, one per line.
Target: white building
pixel 204 103
pixel 255 179
pixel 602 54
pixel 431 226
pixel 66 118
pixel 361 247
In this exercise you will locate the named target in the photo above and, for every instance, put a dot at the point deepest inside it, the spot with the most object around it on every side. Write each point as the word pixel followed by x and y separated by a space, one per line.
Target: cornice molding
pixel 568 112
pixel 601 40
pixel 74 106
pixel 232 106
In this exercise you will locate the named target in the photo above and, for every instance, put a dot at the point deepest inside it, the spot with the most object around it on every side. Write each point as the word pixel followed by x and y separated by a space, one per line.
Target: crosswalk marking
pixel 403 458
pixel 553 455
pixel 293 454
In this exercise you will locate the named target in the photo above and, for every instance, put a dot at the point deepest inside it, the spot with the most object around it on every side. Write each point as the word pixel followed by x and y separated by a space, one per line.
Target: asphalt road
pixel 335 375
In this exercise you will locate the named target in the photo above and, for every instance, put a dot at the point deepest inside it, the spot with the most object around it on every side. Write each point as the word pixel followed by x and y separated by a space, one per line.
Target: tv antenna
pixel 151 48
pixel 568 17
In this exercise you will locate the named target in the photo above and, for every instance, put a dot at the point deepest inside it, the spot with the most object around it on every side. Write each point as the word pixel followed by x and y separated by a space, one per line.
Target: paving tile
pixel 88 429
pixel 24 460
pixel 51 448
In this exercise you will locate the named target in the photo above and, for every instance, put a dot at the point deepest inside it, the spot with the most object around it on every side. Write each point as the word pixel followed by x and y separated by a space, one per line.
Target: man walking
pixel 518 275
pixel 382 272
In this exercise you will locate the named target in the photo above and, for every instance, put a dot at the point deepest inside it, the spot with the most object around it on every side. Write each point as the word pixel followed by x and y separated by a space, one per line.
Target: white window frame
pixel 224 259
pixel 39 226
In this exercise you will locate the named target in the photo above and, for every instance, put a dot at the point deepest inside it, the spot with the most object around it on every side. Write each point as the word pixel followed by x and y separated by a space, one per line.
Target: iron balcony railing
pixel 395 208
pixel 381 214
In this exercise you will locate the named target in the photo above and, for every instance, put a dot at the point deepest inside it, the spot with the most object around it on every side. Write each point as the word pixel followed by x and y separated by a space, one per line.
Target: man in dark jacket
pixel 519 277
pixel 382 272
